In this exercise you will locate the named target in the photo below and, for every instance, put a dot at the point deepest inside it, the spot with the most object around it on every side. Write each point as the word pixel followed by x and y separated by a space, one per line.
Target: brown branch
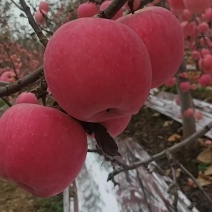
pixel 6 101
pixel 42 38
pixel 21 83
pixel 162 154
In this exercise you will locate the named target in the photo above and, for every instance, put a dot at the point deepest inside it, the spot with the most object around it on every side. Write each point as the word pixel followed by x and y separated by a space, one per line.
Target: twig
pixel 112 9
pixel 42 38
pixel 21 83
pixel 162 154
pixel 143 189
pixel 6 101
pixel 18 6
pixel 195 181
pixel 173 188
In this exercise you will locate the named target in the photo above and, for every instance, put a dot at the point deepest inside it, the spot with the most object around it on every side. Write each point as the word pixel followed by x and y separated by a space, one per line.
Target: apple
pixel 206 64
pixel 8 76
pixel 27 97
pixel 202 27
pixel 38 16
pixel 87 10
pixel 185 86
pixel 44 7
pixel 197 6
pixel 96 80
pixel 41 148
pixel 161 32
pixel 170 82
pixel 195 55
pixel 205 80
pixel 188 113
pixel 186 15
pixel 208 15
pixel 105 5
pixel 116 126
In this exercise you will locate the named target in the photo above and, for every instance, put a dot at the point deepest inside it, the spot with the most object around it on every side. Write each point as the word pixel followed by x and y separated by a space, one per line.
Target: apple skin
pixel 87 10
pixel 41 148
pixel 27 97
pixel 115 126
pixel 177 4
pixel 97 81
pixel 161 32
pixel 44 6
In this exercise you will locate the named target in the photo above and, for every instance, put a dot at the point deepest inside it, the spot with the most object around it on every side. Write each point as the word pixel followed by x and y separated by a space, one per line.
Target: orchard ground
pixel 148 128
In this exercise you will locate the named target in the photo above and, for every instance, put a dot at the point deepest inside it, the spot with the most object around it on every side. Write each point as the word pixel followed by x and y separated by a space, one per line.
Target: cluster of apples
pixel 98 70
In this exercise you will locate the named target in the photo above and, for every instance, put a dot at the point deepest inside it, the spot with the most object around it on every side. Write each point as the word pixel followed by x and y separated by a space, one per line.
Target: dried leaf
pixel 208 171
pixel 202 181
pixel 105 142
pixel 174 138
pixel 205 156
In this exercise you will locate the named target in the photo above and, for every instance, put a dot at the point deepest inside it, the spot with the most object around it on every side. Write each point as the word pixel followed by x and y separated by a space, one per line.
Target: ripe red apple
pixel 195 55
pixel 41 148
pixel 116 126
pixel 186 15
pixel 206 64
pixel 105 5
pixel 106 78
pixel 203 27
pixel 87 10
pixel 185 86
pixel 44 7
pixel 188 113
pixel 161 32
pixel 27 97
pixel 197 6
pixel 208 15
pixel 38 16
pixel 205 80
pixel 8 76
pixel 170 82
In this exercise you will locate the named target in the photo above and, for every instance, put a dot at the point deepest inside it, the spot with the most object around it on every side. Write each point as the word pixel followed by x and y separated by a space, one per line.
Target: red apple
pixel 170 82
pixel 188 113
pixel 197 6
pixel 106 78
pixel 116 126
pixel 203 27
pixel 38 16
pixel 105 5
pixel 87 10
pixel 195 55
pixel 27 97
pixel 205 80
pixel 161 32
pixel 206 64
pixel 185 86
pixel 44 7
pixel 8 76
pixel 41 148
